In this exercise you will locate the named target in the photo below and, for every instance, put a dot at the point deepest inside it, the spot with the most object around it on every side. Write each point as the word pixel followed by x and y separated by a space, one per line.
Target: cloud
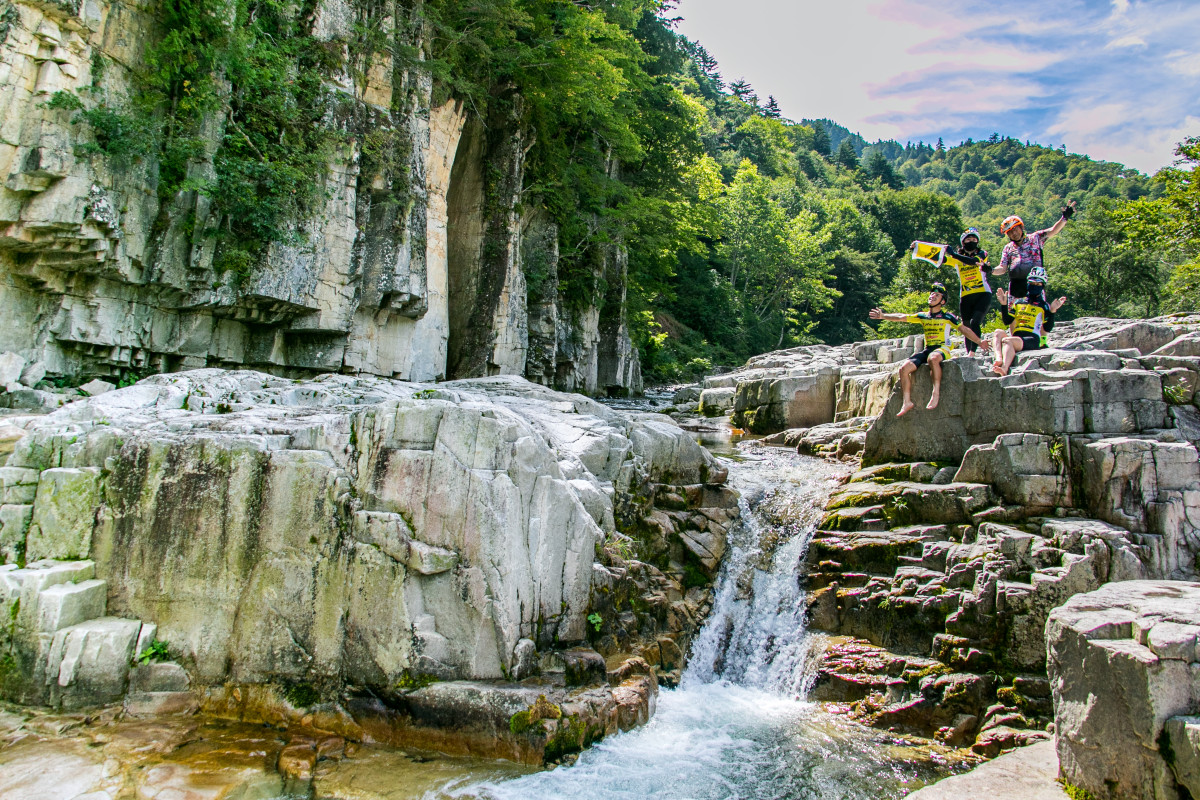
pixel 1116 79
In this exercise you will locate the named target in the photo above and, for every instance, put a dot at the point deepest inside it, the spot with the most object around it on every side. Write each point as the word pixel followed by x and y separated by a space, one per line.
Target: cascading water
pixel 738 726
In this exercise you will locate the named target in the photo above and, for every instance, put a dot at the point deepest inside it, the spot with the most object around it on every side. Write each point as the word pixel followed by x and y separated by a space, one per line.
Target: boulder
pixel 64 513
pixel 1122 662
pixel 11 366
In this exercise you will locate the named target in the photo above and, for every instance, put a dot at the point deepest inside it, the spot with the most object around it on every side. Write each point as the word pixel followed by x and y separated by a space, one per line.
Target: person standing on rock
pixel 1029 319
pixel 971 264
pixel 938 324
pixel 1024 251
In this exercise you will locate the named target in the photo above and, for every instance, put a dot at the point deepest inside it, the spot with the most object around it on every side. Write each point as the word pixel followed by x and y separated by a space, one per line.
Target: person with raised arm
pixel 1024 250
pixel 938 324
pixel 971 263
pixel 1029 319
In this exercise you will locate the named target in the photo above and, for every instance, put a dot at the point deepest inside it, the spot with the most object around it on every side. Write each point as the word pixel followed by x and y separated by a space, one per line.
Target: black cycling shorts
pixel 1029 342
pixel 923 356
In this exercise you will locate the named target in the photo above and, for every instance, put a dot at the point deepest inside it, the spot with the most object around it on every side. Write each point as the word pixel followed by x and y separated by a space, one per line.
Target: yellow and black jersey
pixel 972 270
pixel 938 326
pixel 1027 317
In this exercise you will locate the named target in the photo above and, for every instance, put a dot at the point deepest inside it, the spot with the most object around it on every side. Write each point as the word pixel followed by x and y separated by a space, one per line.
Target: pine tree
pixel 878 167
pixel 772 109
pixel 741 89
pixel 941 146
pixel 846 156
pixel 820 140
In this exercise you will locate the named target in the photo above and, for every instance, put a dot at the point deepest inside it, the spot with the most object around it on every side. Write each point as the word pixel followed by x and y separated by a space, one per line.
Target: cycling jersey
pixel 1019 258
pixel 972 271
pixel 1030 318
pixel 972 275
pixel 938 326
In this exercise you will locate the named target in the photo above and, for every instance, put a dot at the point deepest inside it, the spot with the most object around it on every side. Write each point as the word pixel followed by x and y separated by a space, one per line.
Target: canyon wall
pixel 412 265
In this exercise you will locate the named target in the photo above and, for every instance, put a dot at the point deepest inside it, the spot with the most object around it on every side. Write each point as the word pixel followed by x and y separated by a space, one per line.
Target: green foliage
pixel 301 695
pixel 1175 395
pixel 1076 793
pixel 596 621
pixel 410 681
pixel 1102 269
pixel 157 650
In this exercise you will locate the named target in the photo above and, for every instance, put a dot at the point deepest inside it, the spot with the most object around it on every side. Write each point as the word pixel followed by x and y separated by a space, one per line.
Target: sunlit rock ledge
pixel 356 537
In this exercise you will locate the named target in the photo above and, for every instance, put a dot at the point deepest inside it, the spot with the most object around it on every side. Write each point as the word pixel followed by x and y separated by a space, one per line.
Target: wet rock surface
pixel 179 757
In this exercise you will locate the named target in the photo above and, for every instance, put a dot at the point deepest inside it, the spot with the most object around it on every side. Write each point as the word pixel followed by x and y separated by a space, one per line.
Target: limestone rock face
pixel 388 275
pixel 1124 670
pixel 355 529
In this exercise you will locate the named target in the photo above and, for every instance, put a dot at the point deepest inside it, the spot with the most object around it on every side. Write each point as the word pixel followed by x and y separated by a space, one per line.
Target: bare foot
pixel 999 369
pixel 904 409
pixel 933 401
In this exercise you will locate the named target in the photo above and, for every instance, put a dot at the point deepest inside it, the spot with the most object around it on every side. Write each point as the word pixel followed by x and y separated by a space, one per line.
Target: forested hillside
pixel 811 223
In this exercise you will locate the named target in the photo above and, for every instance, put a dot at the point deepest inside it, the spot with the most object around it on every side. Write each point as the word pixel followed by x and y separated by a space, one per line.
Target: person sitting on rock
pixel 1029 319
pixel 971 264
pixel 1023 252
pixel 938 324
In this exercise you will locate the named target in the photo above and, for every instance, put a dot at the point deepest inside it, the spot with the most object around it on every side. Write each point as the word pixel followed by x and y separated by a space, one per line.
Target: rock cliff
pixel 946 555
pixel 412 261
pixel 370 541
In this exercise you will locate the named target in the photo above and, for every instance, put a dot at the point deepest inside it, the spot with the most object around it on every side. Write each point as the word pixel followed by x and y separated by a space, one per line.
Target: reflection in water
pixel 738 726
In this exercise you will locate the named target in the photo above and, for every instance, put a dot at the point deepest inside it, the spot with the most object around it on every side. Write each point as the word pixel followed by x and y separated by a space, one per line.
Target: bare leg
pixel 935 367
pixel 906 373
pixel 997 343
pixel 1012 345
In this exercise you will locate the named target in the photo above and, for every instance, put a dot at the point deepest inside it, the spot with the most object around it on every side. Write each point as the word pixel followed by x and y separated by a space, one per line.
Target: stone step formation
pixel 64 652
pixel 938 564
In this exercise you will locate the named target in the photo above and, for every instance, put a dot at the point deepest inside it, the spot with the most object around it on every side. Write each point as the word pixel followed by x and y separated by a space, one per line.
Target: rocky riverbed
pixel 491 569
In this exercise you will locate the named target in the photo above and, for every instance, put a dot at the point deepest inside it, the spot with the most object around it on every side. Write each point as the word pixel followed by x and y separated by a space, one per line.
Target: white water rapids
pixel 738 727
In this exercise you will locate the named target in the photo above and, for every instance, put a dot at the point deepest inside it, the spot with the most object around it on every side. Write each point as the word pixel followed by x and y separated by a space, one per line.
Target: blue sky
pixel 1118 80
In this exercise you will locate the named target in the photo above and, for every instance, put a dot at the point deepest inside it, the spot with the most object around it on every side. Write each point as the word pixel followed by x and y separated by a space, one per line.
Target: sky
pixel 1118 80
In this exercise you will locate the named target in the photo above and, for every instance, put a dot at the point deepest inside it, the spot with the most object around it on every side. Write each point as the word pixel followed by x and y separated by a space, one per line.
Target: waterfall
pixel 755 635
pixel 737 727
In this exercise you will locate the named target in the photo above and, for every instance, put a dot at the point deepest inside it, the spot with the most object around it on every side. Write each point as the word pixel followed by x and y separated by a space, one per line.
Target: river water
pixel 738 726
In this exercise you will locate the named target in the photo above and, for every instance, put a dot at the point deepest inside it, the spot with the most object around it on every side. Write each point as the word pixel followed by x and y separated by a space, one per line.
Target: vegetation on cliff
pixel 745 231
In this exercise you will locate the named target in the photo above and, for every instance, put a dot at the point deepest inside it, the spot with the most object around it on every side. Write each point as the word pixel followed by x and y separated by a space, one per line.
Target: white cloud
pixel 1117 82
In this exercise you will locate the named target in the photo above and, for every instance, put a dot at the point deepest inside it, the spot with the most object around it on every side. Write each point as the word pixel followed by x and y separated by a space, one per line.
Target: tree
pixel 772 108
pixel 775 262
pixel 821 143
pixel 741 89
pixel 846 156
pixel 1101 268
pixel 913 213
pixel 879 168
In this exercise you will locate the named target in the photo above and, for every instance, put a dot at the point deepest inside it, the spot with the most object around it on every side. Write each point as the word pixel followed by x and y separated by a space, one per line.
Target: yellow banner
pixel 930 253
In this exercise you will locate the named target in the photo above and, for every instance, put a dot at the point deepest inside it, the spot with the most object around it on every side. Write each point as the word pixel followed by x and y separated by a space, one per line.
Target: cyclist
pixel 971 264
pixel 1029 319
pixel 938 324
pixel 1024 251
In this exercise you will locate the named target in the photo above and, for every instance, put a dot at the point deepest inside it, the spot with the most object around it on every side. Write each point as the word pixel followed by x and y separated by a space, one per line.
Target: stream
pixel 738 726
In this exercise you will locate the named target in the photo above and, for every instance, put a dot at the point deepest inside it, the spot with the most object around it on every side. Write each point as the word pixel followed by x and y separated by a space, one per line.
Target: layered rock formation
pixel 405 269
pixel 945 557
pixel 1126 678
pixel 359 537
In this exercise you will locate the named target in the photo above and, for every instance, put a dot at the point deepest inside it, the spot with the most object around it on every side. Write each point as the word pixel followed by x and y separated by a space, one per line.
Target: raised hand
pixel 875 313
pixel 1057 304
